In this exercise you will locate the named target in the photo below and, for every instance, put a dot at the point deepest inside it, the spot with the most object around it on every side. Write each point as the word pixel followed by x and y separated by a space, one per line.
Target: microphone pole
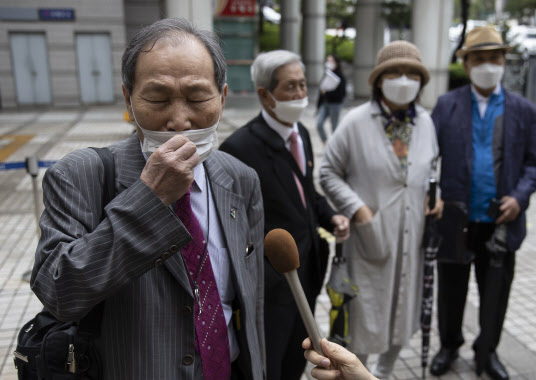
pixel 304 309
pixel 282 252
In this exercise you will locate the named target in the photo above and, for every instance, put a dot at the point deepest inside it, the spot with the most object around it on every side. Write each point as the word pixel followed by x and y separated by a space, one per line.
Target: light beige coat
pixel 385 257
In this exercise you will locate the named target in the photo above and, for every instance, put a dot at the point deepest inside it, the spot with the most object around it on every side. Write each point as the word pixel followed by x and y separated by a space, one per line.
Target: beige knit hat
pixel 482 38
pixel 395 54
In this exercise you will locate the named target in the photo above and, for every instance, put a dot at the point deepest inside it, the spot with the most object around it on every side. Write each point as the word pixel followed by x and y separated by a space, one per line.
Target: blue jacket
pixel 452 117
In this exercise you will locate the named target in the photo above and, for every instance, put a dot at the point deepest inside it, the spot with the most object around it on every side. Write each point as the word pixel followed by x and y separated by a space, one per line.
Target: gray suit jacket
pixel 131 260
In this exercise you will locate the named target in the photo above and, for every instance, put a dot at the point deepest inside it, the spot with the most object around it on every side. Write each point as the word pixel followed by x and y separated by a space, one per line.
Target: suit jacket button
pixel 187 310
pixel 158 262
pixel 187 360
pixel 173 249
pixel 165 255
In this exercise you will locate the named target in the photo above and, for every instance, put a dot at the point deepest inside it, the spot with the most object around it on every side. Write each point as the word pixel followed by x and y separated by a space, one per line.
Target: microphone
pixel 282 252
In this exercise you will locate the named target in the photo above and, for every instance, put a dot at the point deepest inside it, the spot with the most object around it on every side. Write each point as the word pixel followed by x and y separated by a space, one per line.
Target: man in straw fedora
pixel 487 141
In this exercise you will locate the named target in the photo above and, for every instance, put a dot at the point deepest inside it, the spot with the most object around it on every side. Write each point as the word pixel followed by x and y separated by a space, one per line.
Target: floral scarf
pixel 398 127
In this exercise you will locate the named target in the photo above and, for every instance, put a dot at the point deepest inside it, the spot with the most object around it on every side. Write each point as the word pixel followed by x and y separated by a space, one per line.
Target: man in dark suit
pixel 279 148
pixel 177 256
pixel 487 140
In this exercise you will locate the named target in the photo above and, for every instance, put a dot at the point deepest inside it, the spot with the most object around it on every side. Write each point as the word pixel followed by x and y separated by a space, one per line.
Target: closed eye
pixel 155 101
pixel 198 101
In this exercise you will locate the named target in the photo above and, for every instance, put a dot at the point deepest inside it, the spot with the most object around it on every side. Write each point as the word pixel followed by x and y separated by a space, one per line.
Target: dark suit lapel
pixel 462 115
pixel 232 215
pixel 511 121
pixel 511 132
pixel 308 152
pixel 130 164
pixel 282 161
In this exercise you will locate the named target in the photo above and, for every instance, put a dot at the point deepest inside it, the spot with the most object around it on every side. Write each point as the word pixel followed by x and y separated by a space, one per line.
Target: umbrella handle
pixel 432 193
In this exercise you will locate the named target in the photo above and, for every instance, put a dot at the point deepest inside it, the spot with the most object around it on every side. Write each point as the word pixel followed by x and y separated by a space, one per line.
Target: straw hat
pixel 482 38
pixel 395 54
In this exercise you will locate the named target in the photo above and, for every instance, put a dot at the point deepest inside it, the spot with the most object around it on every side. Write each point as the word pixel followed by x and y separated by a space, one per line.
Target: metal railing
pixel 32 166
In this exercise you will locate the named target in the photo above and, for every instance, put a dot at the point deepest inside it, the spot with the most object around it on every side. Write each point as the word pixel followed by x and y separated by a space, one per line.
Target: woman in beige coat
pixel 376 169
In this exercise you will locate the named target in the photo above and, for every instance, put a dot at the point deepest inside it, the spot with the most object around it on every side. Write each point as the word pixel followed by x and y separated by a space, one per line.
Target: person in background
pixel 487 141
pixel 171 290
pixel 376 169
pixel 278 147
pixel 338 362
pixel 332 93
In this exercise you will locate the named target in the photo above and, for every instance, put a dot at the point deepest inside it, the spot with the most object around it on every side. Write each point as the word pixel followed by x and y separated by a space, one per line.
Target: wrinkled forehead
pixel 176 55
pixel 290 71
pixel 174 39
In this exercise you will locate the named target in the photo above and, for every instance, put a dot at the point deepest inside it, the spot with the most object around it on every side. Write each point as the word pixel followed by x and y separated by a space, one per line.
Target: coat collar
pixel 510 118
pixel 461 115
pixel 232 215
pixel 282 161
pixel 267 134
pixel 271 138
pixel 217 175
pixel 375 110
pixel 130 161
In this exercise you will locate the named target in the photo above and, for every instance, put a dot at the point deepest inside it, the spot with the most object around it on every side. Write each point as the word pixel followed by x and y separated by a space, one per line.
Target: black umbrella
pixel 431 242
pixel 497 249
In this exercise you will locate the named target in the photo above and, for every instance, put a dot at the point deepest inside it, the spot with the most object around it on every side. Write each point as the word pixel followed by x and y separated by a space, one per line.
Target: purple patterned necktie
pixel 212 341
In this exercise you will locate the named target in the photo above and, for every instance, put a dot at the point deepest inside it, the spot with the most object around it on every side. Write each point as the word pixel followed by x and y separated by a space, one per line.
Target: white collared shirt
pixel 217 249
pixel 482 100
pixel 285 131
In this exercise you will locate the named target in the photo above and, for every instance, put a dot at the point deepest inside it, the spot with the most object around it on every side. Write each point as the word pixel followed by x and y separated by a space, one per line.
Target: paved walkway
pixel 51 134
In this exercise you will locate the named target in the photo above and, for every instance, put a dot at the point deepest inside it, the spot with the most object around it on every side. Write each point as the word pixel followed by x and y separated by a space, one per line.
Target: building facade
pixel 54 55
pixel 64 53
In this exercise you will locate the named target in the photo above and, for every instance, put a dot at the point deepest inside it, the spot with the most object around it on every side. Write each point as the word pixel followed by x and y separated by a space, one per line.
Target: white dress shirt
pixel 285 131
pixel 482 100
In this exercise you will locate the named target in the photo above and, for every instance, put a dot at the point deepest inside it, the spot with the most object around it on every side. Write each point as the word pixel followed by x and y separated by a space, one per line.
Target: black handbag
pixel 50 349
pixel 453 229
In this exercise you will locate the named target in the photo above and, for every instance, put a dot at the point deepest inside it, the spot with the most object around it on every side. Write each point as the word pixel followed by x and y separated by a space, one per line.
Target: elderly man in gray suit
pixel 176 257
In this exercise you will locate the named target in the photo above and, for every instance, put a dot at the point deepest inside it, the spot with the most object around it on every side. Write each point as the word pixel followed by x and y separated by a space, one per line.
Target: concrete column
pixel 431 20
pixel 289 32
pixel 313 46
pixel 499 6
pixel 198 12
pixel 368 40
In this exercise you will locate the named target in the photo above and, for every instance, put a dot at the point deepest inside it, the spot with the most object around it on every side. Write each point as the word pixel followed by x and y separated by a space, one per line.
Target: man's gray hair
pixel 175 30
pixel 264 67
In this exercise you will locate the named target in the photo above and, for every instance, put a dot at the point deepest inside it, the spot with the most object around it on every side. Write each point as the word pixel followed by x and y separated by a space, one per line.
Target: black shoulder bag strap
pixel 107 159
pixel 91 323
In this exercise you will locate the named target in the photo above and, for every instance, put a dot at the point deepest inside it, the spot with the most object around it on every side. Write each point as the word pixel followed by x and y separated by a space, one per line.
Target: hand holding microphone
pixel 336 363
pixel 282 252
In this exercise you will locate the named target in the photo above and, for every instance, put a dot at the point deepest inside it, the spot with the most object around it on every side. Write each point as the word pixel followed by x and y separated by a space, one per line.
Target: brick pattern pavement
pixel 57 133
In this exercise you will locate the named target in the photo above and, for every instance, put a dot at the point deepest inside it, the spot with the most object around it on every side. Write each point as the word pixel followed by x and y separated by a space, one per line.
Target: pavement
pixel 49 134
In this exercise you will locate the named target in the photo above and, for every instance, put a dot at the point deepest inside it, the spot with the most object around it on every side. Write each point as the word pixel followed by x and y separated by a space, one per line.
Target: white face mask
pixel 330 66
pixel 289 111
pixel 204 139
pixel 400 90
pixel 486 75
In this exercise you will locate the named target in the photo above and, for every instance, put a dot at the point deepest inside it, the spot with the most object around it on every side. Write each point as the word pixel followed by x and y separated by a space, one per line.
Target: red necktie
pixel 297 154
pixel 212 341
